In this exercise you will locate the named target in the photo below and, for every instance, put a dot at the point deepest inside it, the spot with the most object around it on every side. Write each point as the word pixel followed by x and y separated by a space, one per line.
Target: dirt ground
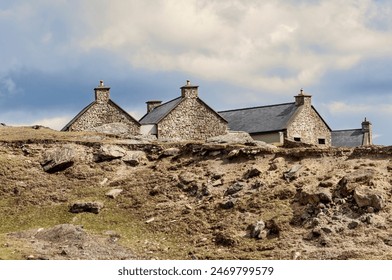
pixel 191 200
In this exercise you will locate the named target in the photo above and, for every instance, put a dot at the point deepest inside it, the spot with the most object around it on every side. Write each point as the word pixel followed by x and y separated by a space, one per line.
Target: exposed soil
pixel 192 200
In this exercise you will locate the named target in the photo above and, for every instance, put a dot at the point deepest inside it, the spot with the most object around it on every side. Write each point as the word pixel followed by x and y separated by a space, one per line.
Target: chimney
pixel 102 93
pixel 303 99
pixel 189 91
pixel 151 105
pixel 367 133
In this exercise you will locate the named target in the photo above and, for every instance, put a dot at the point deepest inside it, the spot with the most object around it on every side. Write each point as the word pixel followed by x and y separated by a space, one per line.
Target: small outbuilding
pixel 103 113
pixel 353 137
pixel 186 117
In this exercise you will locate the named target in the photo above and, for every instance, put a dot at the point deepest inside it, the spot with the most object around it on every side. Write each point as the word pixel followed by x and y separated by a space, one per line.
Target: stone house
pixel 103 113
pixel 353 137
pixel 298 121
pixel 186 117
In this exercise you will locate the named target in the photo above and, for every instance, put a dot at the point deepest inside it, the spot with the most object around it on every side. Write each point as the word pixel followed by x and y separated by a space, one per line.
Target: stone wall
pixel 104 113
pixel 191 120
pixel 308 126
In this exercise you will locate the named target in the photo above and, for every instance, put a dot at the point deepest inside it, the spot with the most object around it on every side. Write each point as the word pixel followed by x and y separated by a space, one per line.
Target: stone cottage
pixel 353 137
pixel 298 121
pixel 186 117
pixel 104 115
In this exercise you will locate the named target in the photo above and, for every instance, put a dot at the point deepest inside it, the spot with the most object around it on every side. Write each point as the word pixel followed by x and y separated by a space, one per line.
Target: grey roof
pixel 347 138
pixel 260 119
pixel 159 112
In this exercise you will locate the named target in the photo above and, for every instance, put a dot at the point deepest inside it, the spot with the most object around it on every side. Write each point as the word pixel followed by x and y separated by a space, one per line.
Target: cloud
pixel 54 120
pixel 342 108
pixel 8 87
pixel 239 41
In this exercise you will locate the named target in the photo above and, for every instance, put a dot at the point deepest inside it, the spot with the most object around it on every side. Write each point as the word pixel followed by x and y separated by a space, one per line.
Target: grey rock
pixel 110 152
pixel 92 207
pixel 257 231
pixel 134 158
pixel 348 183
pixel 233 137
pixel 114 193
pixel 235 188
pixel 365 197
pixel 58 159
pixel 292 173
pixel 217 183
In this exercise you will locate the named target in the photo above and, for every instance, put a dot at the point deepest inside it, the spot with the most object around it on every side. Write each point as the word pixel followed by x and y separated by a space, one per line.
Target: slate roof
pixel 260 119
pixel 159 112
pixel 347 138
pixel 85 109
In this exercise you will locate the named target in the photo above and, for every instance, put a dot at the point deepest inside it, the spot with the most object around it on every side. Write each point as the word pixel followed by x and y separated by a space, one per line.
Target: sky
pixel 241 53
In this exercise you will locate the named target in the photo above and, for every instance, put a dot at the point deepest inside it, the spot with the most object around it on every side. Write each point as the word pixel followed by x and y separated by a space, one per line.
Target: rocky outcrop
pixel 110 152
pixel 58 159
pixel 365 197
pixel 91 207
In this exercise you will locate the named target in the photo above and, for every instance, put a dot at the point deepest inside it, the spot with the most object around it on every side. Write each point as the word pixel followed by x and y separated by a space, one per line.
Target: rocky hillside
pixel 93 196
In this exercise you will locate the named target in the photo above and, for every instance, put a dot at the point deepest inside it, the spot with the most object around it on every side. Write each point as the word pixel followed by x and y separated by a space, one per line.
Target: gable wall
pixel 309 127
pixel 191 120
pixel 103 113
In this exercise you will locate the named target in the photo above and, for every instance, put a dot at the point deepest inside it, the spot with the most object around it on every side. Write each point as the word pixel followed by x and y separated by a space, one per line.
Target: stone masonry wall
pixel 191 120
pixel 309 127
pixel 103 113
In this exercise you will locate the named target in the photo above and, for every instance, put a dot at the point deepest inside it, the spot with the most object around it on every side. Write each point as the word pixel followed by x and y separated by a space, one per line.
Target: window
pixel 297 139
pixel 321 141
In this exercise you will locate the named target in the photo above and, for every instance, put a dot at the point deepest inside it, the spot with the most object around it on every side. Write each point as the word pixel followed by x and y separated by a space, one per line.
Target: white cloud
pixel 240 41
pixel 8 86
pixel 342 108
pixel 28 118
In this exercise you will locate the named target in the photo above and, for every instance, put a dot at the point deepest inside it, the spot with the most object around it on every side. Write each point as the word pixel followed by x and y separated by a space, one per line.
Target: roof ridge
pixel 256 107
pixel 348 129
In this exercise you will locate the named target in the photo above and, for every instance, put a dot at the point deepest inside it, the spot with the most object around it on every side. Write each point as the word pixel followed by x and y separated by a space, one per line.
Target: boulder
pixel 114 193
pixel 110 152
pixel 292 173
pixel 134 158
pixel 58 159
pixel 235 188
pixel 61 233
pixel 314 196
pixel 350 182
pixel 91 207
pixel 233 137
pixel 365 197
